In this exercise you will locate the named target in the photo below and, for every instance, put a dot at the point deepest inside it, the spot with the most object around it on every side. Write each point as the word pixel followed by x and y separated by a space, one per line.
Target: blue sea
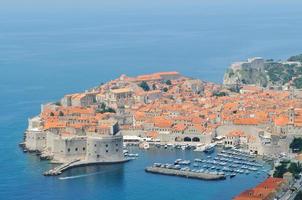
pixel 53 47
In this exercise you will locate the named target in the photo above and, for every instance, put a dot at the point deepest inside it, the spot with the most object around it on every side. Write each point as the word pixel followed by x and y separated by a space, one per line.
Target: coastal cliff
pixel 266 73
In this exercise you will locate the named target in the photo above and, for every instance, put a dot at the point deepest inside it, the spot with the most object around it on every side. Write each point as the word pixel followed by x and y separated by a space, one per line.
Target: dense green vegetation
pixel 287 166
pixel 230 73
pixel 298 196
pixel 295 169
pixel 219 94
pixel 280 170
pixel 103 109
pixel 296 145
pixel 279 73
pixel 168 82
pixel 296 58
pixel 165 89
pixel 298 82
pixel 144 85
pixel 283 73
pixel 274 73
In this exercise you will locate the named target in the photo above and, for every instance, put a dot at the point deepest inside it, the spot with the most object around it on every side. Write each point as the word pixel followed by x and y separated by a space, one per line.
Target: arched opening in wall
pixel 187 139
pixel 51 114
pixel 196 139
pixel 61 114
pixel 178 139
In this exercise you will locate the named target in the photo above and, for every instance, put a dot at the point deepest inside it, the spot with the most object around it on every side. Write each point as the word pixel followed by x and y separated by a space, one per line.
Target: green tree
pixel 219 94
pixel 295 168
pixel 111 110
pixel 298 196
pixel 280 170
pixel 296 145
pixel 296 58
pixel 144 85
pixel 103 109
pixel 103 106
pixel 168 82
pixel 165 89
pixel 298 83
pixel 154 87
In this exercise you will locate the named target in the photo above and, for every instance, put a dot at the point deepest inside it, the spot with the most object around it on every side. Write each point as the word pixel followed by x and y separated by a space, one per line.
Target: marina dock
pixel 187 174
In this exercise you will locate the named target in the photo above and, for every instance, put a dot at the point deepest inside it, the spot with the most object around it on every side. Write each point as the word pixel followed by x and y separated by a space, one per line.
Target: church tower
pixel 291 115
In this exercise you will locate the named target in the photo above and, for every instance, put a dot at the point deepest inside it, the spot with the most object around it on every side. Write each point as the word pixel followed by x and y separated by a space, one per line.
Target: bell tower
pixel 291 115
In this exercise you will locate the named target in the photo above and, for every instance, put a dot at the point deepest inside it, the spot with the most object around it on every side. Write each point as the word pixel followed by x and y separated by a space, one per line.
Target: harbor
pixel 223 163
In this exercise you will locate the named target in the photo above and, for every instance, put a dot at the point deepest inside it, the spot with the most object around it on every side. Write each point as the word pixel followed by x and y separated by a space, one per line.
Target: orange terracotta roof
pixel 121 90
pixel 152 134
pixel 281 120
pixel 236 133
pixel 179 127
pixel 246 121
pixel 161 122
pixel 263 191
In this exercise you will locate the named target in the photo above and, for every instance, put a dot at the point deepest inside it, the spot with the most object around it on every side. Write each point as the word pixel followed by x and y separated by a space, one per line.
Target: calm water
pixel 56 47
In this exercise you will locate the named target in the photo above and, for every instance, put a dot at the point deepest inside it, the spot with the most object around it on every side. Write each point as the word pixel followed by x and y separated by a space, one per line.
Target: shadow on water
pixel 114 172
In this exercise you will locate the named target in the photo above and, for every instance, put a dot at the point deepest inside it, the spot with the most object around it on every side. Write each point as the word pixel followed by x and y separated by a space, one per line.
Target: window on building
pixel 98 156
pixel 106 150
pixel 76 149
pixel 84 148
pixel 116 150
pixel 116 144
pixel 68 149
pixel 106 145
pixel 94 145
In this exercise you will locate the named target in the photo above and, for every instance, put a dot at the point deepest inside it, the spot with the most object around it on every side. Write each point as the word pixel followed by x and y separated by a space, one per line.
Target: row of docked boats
pixel 229 162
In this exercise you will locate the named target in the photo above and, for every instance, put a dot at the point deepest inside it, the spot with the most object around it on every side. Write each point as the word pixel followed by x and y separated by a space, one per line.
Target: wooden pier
pixel 186 174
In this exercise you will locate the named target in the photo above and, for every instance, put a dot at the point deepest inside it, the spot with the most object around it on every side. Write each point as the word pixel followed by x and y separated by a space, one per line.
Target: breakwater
pixel 187 174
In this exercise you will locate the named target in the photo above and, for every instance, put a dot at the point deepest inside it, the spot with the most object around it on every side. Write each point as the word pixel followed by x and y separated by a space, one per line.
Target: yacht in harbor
pixel 210 148
pixel 200 147
pixel 205 148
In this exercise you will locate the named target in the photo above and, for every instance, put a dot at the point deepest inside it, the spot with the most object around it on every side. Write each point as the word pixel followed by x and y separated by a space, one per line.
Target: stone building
pixel 65 143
